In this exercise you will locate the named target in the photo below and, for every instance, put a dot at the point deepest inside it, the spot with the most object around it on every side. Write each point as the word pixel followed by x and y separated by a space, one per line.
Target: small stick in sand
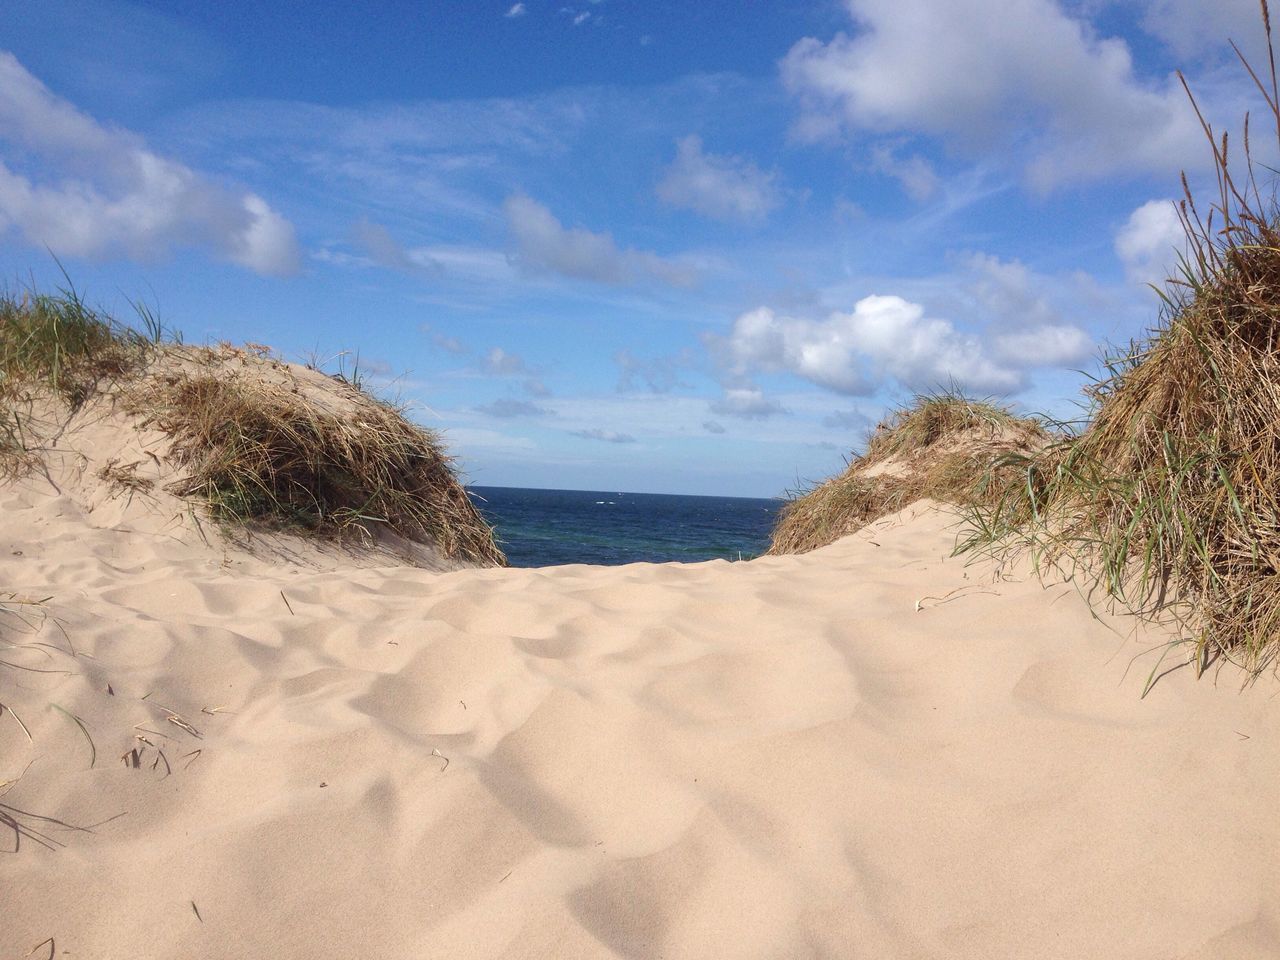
pixel 437 753
pixel 287 603
pixel 42 943
pixel 177 721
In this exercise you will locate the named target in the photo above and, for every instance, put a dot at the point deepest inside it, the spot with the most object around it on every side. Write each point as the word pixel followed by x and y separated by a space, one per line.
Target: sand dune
pixel 780 758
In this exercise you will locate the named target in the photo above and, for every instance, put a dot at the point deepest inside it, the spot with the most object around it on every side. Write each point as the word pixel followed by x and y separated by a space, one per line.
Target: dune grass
pixel 260 451
pixel 942 446
pixel 1168 502
pixel 60 342
pixel 257 451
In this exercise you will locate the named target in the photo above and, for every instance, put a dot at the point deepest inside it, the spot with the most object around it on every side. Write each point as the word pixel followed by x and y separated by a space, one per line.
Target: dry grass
pixel 1169 502
pixel 269 451
pixel 941 447
pixel 260 451
pixel 27 614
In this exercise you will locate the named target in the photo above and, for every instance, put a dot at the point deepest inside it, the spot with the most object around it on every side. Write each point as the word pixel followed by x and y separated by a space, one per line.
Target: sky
pixel 632 245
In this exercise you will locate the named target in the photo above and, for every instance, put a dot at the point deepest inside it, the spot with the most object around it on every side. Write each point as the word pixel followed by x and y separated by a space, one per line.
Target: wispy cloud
pixel 914 172
pixel 383 249
pixel 501 363
pixel 656 374
pixel 746 403
pixel 85 189
pixel 607 436
pixel 508 408
pixel 543 243
pixel 516 10
pixel 718 186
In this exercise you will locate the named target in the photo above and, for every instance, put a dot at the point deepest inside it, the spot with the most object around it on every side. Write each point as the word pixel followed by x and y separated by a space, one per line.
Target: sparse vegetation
pixel 1168 502
pixel 942 446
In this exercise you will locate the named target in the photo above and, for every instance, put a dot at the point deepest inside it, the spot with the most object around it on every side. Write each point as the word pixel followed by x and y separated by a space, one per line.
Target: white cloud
pixel 746 403
pixel 89 190
pixel 544 243
pixel 517 10
pixel 1191 27
pixel 851 352
pixel 581 18
pixel 717 186
pixel 503 364
pixel 914 172
pixel 1149 242
pixel 1024 328
pixel 443 341
pixel 974 71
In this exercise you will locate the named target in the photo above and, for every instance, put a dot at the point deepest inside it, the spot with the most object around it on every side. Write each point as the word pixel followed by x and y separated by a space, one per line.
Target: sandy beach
pixel 807 756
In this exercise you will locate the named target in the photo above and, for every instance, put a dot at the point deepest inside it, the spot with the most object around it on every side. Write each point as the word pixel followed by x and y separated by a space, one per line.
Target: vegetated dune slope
pixel 868 750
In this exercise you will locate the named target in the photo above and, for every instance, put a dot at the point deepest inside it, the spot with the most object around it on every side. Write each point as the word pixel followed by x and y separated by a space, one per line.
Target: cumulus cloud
pixel 1024 328
pixel 507 408
pixel 973 71
pixel 607 436
pixel 543 243
pixel 85 189
pixel 746 403
pixel 1149 241
pixel 717 186
pixel 849 352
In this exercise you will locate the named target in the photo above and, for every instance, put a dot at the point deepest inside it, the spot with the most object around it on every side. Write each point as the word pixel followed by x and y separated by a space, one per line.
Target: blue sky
pixel 624 244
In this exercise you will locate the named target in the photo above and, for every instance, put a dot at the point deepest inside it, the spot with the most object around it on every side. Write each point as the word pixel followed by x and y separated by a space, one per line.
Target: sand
pixel 778 758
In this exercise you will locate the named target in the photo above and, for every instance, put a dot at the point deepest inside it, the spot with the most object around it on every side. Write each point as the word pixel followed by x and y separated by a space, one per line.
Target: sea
pixel 540 528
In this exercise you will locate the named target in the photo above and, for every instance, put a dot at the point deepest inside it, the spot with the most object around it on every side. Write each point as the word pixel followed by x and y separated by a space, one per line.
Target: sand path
pixel 781 758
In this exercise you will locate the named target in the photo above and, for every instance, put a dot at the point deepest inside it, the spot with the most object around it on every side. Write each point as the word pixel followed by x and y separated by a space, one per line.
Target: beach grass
pixel 1167 503
pixel 257 451
pixel 262 450
pixel 58 341
pixel 942 446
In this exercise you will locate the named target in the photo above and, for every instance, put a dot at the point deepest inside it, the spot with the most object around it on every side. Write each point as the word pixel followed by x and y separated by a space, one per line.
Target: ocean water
pixel 538 528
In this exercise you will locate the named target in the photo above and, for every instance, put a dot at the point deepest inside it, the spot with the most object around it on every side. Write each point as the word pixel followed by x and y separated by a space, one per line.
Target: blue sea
pixel 539 528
